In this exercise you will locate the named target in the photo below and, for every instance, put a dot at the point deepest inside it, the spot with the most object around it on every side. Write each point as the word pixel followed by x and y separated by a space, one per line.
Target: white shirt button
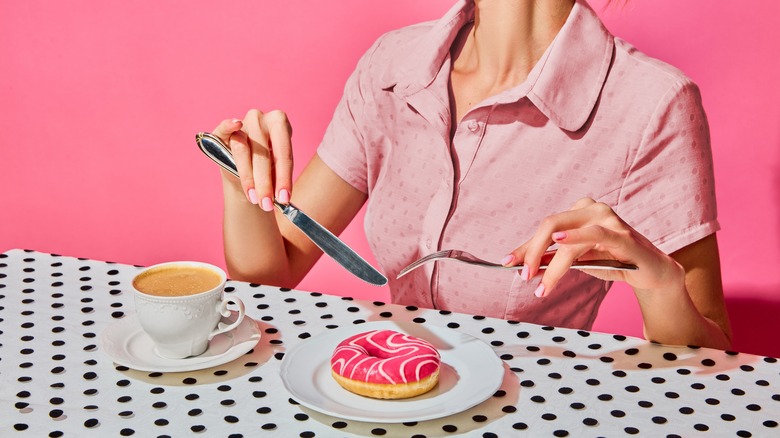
pixel 473 126
pixel 428 243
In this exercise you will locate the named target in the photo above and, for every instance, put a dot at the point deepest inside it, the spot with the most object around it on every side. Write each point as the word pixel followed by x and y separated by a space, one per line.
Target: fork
pixel 463 256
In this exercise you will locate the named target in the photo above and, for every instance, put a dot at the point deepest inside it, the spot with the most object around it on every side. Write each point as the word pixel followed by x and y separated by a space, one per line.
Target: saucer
pixel 127 344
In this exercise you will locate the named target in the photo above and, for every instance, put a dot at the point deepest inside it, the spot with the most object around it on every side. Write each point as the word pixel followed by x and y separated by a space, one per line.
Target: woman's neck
pixel 508 38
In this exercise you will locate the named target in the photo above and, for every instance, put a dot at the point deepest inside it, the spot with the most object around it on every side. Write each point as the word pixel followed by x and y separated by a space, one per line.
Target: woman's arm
pixel 700 318
pixel 262 246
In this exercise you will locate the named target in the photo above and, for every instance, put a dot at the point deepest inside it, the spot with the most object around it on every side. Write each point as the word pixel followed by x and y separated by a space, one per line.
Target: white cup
pixel 182 326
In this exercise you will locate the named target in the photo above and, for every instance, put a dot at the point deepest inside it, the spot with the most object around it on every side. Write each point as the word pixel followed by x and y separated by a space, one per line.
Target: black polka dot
pixel 378 431
pixel 590 422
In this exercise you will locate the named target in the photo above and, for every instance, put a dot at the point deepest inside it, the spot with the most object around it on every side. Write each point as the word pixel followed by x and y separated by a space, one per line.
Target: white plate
pixel 470 373
pixel 127 344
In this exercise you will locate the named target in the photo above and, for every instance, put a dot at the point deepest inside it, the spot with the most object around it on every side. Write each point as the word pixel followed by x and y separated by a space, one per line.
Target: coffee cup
pixel 180 304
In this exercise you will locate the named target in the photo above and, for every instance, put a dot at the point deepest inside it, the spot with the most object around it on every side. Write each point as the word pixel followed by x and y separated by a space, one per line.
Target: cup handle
pixel 224 311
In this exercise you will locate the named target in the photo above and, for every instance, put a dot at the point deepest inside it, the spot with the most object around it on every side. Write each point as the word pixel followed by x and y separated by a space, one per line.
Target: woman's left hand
pixel 592 230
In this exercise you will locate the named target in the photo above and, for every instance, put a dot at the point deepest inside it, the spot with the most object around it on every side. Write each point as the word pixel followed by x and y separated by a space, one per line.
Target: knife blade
pixel 331 245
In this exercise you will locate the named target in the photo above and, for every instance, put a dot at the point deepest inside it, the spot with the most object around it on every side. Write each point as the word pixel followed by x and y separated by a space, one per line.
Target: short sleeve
pixel 343 148
pixel 668 194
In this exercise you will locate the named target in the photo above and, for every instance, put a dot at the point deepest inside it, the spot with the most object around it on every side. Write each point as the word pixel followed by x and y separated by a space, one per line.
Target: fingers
pixel 242 155
pixel 586 228
pixel 279 131
pixel 262 148
pixel 226 128
pixel 574 245
pixel 531 252
pixel 261 161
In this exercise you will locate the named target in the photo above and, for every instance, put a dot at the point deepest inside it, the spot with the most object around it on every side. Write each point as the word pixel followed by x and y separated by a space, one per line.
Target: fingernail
pixel 236 120
pixel 267 204
pixel 559 235
pixel 539 292
pixel 524 274
pixel 507 260
pixel 284 196
pixel 252 196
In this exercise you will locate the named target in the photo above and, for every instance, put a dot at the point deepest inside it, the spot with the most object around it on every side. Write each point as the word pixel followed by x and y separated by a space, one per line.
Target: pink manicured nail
pixel 507 260
pixel 539 292
pixel 559 235
pixel 267 204
pixel 284 196
pixel 524 274
pixel 252 196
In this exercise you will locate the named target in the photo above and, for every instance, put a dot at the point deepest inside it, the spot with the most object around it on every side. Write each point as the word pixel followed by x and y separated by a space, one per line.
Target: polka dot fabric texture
pixel 56 381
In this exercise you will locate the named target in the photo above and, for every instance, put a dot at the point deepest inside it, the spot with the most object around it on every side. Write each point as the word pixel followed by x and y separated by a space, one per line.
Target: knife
pixel 214 148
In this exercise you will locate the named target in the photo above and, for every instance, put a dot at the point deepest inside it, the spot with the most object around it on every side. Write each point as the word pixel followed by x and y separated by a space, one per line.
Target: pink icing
pixel 385 356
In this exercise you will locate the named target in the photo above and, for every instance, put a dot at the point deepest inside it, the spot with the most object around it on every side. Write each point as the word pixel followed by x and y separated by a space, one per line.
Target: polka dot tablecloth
pixel 55 380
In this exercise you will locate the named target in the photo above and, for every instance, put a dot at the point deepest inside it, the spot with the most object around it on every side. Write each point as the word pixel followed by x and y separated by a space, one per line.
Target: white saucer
pixel 127 344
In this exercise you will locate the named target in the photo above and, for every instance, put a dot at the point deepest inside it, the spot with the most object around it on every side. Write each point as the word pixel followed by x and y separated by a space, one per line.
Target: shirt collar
pixel 565 83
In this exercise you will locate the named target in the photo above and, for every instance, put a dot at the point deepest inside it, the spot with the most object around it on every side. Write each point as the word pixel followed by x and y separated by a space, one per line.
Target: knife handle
pixel 215 148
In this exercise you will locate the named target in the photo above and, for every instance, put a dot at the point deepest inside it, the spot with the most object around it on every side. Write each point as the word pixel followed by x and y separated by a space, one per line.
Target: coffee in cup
pixel 180 305
pixel 176 280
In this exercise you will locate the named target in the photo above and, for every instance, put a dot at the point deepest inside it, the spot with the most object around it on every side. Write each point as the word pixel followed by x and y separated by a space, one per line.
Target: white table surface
pixel 55 380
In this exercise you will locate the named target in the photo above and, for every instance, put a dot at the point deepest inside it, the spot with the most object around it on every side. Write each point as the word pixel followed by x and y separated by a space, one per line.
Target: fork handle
pixel 604 265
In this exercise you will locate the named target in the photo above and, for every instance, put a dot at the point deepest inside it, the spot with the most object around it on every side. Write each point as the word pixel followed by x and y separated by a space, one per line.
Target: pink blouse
pixel 594 118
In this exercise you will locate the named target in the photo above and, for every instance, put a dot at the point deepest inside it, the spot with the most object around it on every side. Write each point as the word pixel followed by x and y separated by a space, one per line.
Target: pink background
pixel 100 102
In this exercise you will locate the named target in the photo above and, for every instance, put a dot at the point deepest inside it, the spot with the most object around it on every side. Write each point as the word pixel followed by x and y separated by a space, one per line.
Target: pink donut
pixel 386 364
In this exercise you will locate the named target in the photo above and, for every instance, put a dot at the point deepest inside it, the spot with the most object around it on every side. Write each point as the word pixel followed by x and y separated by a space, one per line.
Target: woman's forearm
pixel 670 317
pixel 254 246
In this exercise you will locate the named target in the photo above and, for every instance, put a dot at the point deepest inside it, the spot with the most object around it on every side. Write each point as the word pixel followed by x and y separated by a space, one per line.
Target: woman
pixel 505 121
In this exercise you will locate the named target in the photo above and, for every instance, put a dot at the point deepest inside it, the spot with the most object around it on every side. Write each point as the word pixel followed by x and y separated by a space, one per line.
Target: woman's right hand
pixel 262 149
